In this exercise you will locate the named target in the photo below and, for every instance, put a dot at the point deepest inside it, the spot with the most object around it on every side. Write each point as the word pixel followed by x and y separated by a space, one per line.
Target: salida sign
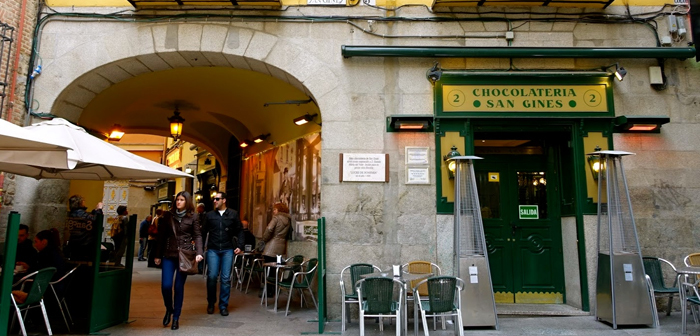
pixel 524 98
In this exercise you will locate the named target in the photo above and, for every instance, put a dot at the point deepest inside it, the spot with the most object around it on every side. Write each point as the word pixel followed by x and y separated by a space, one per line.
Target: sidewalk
pixel 248 317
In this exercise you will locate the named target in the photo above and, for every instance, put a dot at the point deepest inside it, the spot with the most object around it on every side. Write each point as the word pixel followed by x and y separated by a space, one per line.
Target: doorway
pixel 519 187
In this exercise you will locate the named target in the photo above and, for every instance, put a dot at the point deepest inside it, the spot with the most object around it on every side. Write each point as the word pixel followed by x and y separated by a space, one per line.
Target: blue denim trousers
pixel 142 247
pixel 219 266
pixel 171 271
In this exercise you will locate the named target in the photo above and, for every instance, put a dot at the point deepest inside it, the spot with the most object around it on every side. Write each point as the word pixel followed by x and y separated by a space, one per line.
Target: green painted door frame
pixel 458 128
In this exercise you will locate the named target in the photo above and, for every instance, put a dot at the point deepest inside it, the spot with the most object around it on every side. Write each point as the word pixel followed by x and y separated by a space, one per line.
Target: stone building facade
pixel 88 50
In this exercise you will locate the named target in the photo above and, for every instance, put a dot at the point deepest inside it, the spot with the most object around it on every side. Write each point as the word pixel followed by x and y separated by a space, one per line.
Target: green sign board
pixel 528 212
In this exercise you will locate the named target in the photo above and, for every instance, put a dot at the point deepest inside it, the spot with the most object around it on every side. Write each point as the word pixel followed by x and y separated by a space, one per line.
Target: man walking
pixel 221 224
pixel 143 235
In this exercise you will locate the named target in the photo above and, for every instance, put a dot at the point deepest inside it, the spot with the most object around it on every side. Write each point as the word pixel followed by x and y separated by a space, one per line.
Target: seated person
pixel 49 255
pixel 25 251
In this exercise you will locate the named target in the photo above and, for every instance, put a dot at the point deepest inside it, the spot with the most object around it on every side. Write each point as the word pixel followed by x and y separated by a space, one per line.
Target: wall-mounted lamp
pixel 116 133
pixel 207 161
pixel 176 124
pixel 451 164
pixel 305 119
pixel 640 124
pixel 260 138
pixel 594 164
pixel 410 123
pixel 245 143
pixel 620 72
pixel 198 195
pixel 435 73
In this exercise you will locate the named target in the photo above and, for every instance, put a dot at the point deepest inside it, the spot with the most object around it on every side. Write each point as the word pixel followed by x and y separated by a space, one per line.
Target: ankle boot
pixel 166 319
pixel 176 324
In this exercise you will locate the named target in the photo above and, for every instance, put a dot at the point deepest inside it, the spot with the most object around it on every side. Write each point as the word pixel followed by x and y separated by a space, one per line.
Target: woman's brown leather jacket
pixel 188 231
pixel 275 235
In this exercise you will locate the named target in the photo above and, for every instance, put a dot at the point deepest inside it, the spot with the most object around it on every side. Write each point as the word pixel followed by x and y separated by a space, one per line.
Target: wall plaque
pixel 417 175
pixel 356 167
pixel 417 155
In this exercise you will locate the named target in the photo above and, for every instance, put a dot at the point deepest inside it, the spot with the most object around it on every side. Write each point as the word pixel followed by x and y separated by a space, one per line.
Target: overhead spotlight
pixel 116 133
pixel 260 138
pixel 620 72
pixel 245 143
pixel 304 119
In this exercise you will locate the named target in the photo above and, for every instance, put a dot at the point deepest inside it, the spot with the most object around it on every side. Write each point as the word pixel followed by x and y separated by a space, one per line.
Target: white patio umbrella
pixel 23 147
pixel 90 157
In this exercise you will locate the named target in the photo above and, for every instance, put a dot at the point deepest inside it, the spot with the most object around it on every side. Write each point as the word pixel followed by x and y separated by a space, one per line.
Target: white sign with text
pixel 364 167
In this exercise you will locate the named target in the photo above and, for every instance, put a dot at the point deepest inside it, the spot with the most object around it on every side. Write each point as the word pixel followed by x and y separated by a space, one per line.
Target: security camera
pixel 434 73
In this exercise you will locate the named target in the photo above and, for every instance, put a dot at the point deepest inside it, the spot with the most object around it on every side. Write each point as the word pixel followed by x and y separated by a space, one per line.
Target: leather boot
pixel 176 324
pixel 166 319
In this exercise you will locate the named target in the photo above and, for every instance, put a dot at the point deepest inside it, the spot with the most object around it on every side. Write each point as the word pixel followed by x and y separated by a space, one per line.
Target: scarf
pixel 180 214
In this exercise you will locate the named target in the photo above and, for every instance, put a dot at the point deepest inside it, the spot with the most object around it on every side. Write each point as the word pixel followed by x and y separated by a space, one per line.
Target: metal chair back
pixel 420 267
pixel 356 270
pixel 65 282
pixel 441 294
pixel 377 295
pixel 35 295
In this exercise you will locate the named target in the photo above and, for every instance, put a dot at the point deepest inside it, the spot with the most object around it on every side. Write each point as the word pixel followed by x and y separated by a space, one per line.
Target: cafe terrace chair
pixel 443 300
pixel 300 280
pixel 286 275
pixel 689 295
pixel 60 294
pixel 35 295
pixel 652 267
pixel 254 268
pixel 376 299
pixel 420 267
pixel 354 272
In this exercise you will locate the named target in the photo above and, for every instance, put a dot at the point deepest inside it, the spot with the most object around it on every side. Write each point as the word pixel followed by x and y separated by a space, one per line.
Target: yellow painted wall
pixel 90 190
pixel 390 3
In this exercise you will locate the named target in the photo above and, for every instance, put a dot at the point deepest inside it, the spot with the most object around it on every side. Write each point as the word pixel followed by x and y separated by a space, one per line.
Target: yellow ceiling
pixel 217 103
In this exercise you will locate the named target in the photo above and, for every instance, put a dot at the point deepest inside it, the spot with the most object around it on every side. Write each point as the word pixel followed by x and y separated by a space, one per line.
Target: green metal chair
pixel 285 276
pixel 255 267
pixel 688 295
pixel 35 296
pixel 652 267
pixel 60 294
pixel 376 299
pixel 443 299
pixel 300 280
pixel 350 296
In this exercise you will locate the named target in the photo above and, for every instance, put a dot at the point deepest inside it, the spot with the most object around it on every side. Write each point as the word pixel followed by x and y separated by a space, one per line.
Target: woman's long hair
pixel 189 204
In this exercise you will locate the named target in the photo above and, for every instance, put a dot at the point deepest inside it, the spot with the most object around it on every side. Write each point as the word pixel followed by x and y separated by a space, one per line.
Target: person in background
pixel 81 242
pixel 143 236
pixel 202 214
pixel 249 237
pixel 49 253
pixel 275 237
pixel 221 225
pixel 153 239
pixel 25 251
pixel 177 229
pixel 120 237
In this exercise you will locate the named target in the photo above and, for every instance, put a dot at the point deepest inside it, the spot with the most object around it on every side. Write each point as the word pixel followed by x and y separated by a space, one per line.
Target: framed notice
pixel 417 156
pixel 417 175
pixel 364 167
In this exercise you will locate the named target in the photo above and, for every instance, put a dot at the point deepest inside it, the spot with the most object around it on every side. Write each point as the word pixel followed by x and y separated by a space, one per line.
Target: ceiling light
pixel 260 138
pixel 304 119
pixel 116 133
pixel 245 143
pixel 176 124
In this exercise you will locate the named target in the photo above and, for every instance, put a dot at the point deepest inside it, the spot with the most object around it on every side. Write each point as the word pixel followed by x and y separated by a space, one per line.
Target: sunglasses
pixel 217 198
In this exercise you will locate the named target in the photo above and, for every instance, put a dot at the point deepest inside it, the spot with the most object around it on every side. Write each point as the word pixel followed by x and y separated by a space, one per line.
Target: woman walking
pixel 178 228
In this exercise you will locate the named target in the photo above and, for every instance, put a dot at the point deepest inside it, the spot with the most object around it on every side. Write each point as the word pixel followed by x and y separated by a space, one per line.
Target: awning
pixel 525 3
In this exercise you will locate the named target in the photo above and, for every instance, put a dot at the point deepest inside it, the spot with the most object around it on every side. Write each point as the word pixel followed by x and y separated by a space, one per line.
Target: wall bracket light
pixel 640 124
pixel 116 133
pixel 176 124
pixel 305 119
pixel 451 164
pixel 594 163
pixel 620 72
pixel 410 123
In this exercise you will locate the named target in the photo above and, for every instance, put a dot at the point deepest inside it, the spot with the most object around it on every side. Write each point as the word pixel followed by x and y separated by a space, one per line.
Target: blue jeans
pixel 171 270
pixel 219 262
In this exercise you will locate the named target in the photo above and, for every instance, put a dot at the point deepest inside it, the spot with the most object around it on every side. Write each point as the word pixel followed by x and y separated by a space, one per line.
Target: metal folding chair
pixel 376 299
pixel 35 296
pixel 65 282
pixel 350 297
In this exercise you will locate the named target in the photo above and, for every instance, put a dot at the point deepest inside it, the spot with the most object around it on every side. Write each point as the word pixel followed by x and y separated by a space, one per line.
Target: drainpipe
pixel 515 52
pixel 20 33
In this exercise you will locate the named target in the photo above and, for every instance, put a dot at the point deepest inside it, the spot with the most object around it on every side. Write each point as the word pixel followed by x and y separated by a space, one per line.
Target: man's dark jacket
pixel 222 229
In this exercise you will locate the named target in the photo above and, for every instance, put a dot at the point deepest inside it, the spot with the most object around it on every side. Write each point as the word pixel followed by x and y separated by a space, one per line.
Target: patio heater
pixel 471 261
pixel 622 295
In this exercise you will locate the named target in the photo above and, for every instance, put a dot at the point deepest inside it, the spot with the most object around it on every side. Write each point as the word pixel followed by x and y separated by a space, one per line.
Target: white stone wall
pixel 391 223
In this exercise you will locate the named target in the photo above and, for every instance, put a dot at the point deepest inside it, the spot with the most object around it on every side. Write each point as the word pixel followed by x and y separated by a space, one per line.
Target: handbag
pixel 187 258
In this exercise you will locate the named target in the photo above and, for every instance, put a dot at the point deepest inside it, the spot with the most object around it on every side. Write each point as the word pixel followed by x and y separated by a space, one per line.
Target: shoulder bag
pixel 187 258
